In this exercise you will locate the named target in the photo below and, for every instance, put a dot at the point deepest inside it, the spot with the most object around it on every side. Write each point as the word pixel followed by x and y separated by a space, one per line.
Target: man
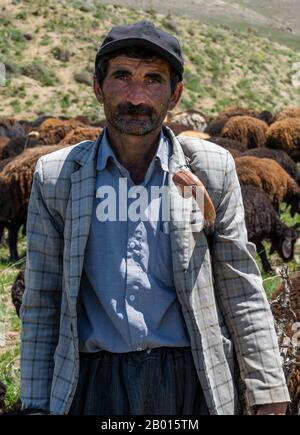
pixel 130 315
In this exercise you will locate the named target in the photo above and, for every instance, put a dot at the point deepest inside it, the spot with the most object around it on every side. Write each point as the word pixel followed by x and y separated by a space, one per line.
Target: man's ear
pixel 97 90
pixel 176 95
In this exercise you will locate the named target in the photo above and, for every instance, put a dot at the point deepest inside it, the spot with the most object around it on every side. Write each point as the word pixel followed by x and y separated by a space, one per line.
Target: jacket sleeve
pixel 40 310
pixel 240 293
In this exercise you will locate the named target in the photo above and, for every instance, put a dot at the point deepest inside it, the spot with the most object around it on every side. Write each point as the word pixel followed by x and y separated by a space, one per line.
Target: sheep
pixel 17 291
pixel 226 143
pixel 38 121
pixel 193 133
pixel 11 128
pixel 290 112
pixel 231 111
pixel 17 145
pixel 285 306
pixel 16 176
pixel 266 116
pixel 235 153
pixel 281 157
pixel 52 131
pixel 285 135
pixel 80 134
pixel 262 222
pixel 215 127
pixel 3 141
pixel 190 119
pixel 247 130
pixel 176 128
pixel 269 176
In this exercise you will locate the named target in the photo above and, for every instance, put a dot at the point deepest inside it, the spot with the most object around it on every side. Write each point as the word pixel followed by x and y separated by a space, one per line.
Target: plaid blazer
pixel 220 289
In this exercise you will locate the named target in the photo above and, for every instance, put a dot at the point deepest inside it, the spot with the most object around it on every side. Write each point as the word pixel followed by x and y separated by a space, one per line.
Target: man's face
pixel 136 94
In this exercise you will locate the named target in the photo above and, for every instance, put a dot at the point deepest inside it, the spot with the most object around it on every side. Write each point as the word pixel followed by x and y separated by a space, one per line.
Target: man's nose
pixel 136 94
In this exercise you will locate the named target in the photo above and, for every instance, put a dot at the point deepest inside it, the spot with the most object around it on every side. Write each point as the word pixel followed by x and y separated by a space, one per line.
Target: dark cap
pixel 144 34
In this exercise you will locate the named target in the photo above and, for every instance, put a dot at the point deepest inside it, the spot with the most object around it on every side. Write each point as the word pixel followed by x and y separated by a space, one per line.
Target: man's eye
pixel 121 76
pixel 154 80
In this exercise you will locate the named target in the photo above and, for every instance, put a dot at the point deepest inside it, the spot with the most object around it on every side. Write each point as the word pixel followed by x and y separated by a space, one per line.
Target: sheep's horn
pixel 184 178
pixel 33 134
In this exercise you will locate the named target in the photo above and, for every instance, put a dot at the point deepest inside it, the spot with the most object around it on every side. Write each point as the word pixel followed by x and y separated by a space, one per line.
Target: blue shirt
pixel 129 301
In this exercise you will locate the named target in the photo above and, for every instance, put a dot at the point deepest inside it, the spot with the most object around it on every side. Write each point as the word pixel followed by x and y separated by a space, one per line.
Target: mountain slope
pixel 49 47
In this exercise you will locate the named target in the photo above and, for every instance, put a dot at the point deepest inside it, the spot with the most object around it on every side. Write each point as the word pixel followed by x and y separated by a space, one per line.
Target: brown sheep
pixel 247 130
pixel 269 176
pixel 285 135
pixel 190 119
pixel 288 311
pixel 80 134
pixel 291 112
pixel 16 176
pixel 280 156
pixel 52 131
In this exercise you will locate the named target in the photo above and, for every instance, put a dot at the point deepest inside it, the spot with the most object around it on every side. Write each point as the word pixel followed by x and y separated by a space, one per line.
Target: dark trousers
pixel 160 382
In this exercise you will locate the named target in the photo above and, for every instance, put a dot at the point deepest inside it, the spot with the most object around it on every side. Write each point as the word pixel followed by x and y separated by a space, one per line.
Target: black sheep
pixel 17 291
pixel 263 222
pixel 226 143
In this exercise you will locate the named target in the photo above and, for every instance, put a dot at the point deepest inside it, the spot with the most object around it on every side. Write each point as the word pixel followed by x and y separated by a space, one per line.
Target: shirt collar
pixel 162 154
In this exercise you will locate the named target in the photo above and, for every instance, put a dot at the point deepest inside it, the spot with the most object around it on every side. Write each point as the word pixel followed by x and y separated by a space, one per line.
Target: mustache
pixel 130 109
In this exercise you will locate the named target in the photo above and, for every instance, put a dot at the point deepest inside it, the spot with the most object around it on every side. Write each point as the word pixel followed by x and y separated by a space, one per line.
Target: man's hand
pixel 272 409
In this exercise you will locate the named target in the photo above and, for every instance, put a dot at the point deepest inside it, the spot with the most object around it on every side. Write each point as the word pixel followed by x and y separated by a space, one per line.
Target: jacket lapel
pixel 82 196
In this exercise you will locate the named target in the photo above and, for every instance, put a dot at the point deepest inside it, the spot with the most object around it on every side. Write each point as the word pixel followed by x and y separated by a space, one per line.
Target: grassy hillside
pixel 49 47
pixel 274 19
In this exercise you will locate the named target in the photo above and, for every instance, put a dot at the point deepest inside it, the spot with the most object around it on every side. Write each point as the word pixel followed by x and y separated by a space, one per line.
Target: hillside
pixel 49 47
pixel 276 19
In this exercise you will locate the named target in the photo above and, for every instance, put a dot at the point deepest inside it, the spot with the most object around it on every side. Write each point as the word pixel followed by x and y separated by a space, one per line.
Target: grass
pixel 38 70
pixel 223 64
pixel 10 325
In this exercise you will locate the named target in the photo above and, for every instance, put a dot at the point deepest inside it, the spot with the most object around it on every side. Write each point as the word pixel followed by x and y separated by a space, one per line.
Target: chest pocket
pixel 162 267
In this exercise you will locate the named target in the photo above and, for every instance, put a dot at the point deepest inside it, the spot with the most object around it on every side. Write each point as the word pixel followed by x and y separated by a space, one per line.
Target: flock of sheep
pixel 265 146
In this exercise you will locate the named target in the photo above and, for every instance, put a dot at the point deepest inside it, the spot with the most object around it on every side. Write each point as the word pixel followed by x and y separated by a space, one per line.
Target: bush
pixel 37 70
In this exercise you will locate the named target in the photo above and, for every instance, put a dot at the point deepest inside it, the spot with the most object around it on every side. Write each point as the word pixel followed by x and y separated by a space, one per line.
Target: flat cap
pixel 144 34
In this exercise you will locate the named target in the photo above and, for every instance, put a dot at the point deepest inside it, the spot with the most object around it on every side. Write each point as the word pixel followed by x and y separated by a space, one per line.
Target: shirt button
pixel 135 287
pixel 132 297
pixel 131 244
